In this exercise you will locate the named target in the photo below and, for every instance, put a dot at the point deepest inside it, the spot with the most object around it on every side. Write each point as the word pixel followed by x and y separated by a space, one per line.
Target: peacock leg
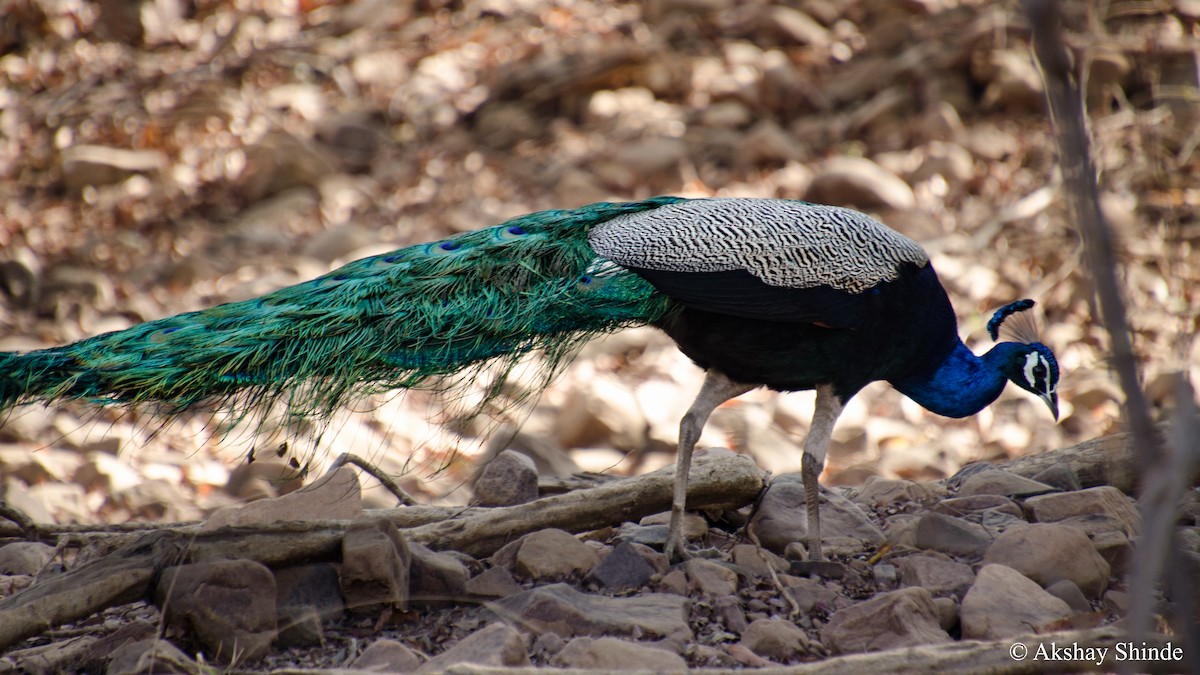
pixel 716 390
pixel 816 443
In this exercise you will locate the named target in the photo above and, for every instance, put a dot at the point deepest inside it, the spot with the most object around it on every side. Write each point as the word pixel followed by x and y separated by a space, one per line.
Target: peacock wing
pixel 778 260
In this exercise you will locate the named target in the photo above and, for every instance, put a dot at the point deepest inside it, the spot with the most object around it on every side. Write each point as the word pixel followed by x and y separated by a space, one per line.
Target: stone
pixel 334 496
pixel 729 609
pixel 795 25
pixel 494 582
pixel 386 656
pixel 314 586
pixel 756 561
pixel 1013 81
pixel 228 606
pixel 85 165
pixel 879 492
pixel 560 609
pixel 375 566
pixel 767 143
pixel 811 595
pixel 675 581
pixel 776 639
pixel 624 567
pixel 496 645
pixel 939 577
pixel 976 504
pixel 947 609
pixel 434 578
pixel 1117 551
pixel 1104 499
pixel 509 479
pixel 858 181
pixel 902 618
pixel 1003 603
pixel 298 627
pixel 553 554
pixel 1000 482
pixel 694 525
pixel 743 655
pixel 710 578
pixel 781 518
pixel 146 657
pixel 24 557
pixel 1060 476
pixel 952 536
pixel 1049 552
pixel 1069 593
pixel 611 654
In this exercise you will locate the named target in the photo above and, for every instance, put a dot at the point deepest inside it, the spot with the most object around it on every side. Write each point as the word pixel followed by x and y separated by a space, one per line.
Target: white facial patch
pixel 1031 360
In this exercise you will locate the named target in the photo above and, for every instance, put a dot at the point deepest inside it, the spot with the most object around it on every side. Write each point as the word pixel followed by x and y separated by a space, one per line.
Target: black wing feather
pixel 740 293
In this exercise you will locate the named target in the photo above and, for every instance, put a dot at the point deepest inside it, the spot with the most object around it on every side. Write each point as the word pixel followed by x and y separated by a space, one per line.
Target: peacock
pixel 772 293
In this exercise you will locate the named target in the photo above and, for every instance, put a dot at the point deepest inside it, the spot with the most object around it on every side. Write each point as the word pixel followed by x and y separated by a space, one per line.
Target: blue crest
pixel 1003 313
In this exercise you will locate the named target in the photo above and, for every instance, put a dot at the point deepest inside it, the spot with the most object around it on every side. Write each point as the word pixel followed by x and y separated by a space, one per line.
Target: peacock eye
pixel 1040 371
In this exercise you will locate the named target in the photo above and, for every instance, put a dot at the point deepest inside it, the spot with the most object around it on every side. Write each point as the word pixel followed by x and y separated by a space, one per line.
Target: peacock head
pixel 1030 364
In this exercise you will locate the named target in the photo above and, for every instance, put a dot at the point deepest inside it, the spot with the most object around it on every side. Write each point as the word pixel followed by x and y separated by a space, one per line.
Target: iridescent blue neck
pixel 963 384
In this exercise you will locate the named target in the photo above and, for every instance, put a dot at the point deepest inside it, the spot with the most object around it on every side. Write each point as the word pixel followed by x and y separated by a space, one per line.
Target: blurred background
pixel 165 155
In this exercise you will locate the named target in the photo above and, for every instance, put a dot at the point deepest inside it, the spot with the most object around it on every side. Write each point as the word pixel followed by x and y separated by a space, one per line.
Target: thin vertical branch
pixel 1162 477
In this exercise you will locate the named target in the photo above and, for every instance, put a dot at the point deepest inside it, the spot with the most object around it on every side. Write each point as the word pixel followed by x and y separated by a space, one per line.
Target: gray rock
pixel 496 645
pixel 434 578
pixel 509 479
pixel 85 165
pixel 1000 482
pixel 879 492
pixel 336 495
pixel 811 595
pixel 902 618
pixel 1003 603
pixel 776 639
pixel 947 613
pixel 710 578
pixel 375 566
pixel 337 242
pixel 228 606
pixel 729 609
pixel 952 536
pixel 560 609
pixel 782 518
pixel 494 582
pixel 977 504
pixel 857 181
pixel 553 554
pixel 939 577
pixel 767 143
pixel 1069 593
pixel 1060 476
pixel 150 657
pixel 1104 499
pixel 612 655
pixel 299 627
pixel 24 557
pixel 795 25
pixel 1049 552
pixel 387 656
pixel 625 567
pixel 313 586
pixel 756 560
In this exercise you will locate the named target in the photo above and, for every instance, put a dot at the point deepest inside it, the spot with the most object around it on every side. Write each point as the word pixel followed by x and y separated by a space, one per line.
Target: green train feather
pixel 406 319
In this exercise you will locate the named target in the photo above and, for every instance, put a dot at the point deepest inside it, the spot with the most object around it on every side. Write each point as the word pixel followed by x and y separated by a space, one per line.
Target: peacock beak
pixel 1051 400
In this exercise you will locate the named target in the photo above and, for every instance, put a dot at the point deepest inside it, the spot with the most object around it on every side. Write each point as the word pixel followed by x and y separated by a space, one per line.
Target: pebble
pixel 1003 603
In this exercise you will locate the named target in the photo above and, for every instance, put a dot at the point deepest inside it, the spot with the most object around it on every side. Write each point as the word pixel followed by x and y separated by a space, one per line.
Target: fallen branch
pixel 127 573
